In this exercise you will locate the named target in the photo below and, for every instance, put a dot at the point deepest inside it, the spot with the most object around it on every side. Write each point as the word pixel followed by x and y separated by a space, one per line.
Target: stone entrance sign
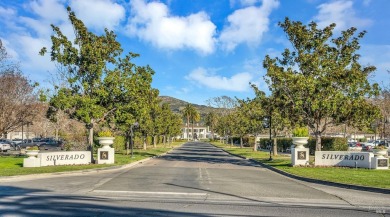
pixel 59 158
pixel 350 159
pixel 65 158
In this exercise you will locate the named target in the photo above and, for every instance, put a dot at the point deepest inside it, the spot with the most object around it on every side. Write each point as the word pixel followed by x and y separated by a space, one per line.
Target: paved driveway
pixel 196 179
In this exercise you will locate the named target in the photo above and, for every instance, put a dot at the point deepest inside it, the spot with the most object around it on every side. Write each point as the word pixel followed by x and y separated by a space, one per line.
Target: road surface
pixel 196 179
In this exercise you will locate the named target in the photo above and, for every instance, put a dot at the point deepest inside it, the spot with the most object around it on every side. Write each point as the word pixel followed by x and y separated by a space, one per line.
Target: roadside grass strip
pixel 344 175
pixel 13 165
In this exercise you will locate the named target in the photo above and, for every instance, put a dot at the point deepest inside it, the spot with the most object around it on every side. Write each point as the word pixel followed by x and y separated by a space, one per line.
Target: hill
pixel 177 105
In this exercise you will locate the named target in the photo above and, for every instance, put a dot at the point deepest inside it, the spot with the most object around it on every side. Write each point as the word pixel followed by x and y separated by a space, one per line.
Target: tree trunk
pixel 318 141
pixel 90 142
pixel 255 145
pixel 188 128
pixel 192 131
pixel 231 141
pixel 144 138
pixel 241 142
pixel 154 141
pixel 127 145
pixel 275 150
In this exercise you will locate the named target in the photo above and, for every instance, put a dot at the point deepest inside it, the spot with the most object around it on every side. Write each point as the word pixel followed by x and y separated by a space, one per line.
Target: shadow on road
pixel 203 152
pixel 275 204
pixel 33 202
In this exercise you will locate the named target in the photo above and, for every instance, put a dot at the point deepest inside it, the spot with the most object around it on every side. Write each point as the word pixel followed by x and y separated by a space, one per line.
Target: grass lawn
pixel 360 176
pixel 13 165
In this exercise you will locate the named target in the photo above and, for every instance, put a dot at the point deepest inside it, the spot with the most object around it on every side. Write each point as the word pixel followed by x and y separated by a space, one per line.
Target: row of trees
pixel 317 83
pixel 103 88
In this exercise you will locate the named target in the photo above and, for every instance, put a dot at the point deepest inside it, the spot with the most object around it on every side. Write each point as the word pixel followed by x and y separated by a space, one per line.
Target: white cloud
pixel 153 23
pixel 244 2
pixel 7 12
pixel 99 14
pixel 247 25
pixel 238 82
pixel 50 10
pixel 341 13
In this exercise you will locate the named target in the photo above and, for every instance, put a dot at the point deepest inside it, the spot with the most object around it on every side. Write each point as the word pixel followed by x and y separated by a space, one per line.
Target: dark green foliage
pixel 320 81
pixel 283 143
pixel 329 144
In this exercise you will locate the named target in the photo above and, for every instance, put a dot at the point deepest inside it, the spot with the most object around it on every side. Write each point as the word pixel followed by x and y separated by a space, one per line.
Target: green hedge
pixel 119 143
pixel 283 143
pixel 329 144
pixel 248 141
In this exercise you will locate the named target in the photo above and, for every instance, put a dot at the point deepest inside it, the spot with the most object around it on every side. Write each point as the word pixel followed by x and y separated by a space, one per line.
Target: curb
pixel 315 181
pixel 77 172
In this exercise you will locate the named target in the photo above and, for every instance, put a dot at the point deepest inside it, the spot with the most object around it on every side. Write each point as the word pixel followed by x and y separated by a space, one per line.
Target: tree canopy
pixel 320 82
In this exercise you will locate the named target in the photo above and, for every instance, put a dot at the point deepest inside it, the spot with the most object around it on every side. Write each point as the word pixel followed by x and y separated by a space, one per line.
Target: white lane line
pixel 150 192
pixel 208 176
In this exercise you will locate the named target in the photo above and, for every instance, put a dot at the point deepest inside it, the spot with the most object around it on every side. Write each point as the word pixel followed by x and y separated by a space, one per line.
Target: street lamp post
pixel 135 125
pixel 270 138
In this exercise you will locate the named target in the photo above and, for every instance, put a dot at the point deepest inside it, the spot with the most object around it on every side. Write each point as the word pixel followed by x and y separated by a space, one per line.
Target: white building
pixel 200 132
pixel 20 135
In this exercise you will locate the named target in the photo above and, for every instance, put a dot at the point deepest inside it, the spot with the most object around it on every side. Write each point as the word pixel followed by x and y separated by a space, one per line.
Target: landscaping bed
pixel 13 165
pixel 344 175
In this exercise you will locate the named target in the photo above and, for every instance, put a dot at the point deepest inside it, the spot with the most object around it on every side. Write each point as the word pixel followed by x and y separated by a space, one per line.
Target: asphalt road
pixel 196 179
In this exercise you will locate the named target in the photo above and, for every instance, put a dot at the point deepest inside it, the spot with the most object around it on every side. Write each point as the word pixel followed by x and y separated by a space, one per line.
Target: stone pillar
pixel 106 156
pixel 299 156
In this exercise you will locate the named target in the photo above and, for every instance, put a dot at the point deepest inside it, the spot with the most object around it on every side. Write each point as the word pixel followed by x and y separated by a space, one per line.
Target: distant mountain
pixel 177 105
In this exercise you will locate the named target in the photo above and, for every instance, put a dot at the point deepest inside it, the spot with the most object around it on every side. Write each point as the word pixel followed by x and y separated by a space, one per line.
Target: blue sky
pixel 199 49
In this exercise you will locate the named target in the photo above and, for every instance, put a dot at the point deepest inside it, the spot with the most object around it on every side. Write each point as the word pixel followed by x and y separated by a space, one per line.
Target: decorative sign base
pixel 300 156
pixel 31 162
pixel 380 163
pixel 59 158
pixel 106 156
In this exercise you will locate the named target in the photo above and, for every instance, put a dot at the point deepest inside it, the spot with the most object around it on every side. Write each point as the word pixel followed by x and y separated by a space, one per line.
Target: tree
pixel 383 102
pixel 211 121
pixel 18 95
pixel 134 94
pixel 195 117
pixel 225 105
pixel 169 122
pixel 92 93
pixel 190 114
pixel 256 112
pixel 321 82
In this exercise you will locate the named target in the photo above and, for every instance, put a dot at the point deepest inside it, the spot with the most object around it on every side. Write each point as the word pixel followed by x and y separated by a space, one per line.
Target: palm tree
pixel 195 117
pixel 187 113
pixel 191 114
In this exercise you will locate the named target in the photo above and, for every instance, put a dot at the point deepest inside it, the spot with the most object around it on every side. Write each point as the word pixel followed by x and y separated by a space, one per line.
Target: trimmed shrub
pixel 119 143
pixel 329 144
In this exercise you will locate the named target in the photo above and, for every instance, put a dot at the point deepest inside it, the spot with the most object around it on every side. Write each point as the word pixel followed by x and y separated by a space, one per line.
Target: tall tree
pixel 188 113
pixel 90 95
pixel 195 117
pixel 18 95
pixel 211 121
pixel 225 105
pixel 321 81
pixel 134 94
